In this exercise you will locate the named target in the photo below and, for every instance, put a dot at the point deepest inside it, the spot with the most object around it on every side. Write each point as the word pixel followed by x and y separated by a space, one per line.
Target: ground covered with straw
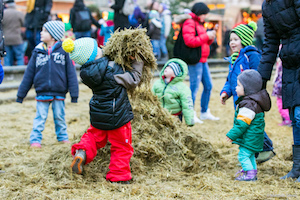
pixel 171 160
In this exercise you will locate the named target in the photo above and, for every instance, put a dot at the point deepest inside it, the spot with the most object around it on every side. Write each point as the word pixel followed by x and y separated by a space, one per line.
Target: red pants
pixel 121 149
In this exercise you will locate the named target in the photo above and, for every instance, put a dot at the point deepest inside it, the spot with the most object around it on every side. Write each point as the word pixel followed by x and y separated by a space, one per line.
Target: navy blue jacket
pixel 1 73
pixel 51 75
pixel 249 58
pixel 109 107
pixel 282 25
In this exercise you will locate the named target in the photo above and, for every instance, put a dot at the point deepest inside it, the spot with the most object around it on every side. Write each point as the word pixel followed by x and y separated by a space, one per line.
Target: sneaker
pixel 35 145
pixel 196 119
pixel 265 156
pixel 208 115
pixel 78 161
pixel 247 175
pixel 285 123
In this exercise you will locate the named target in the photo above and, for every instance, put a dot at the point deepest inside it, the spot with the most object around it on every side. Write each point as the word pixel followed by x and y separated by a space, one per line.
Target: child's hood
pixel 179 19
pixel 184 69
pixel 262 98
pixel 41 47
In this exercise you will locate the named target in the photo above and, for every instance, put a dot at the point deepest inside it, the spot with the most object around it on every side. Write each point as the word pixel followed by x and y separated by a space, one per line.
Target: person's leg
pixel 9 58
pixel 39 122
pixel 156 50
pixel 195 74
pixel 249 172
pixel 30 38
pixel 90 142
pixel 295 117
pixel 121 153
pixel 207 87
pixel 253 161
pixel 37 37
pixel 163 47
pixel 58 107
pixel 283 112
pixel 19 54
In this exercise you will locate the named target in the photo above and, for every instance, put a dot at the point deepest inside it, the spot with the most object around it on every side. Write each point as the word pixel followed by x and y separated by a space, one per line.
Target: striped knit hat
pixel 175 67
pixel 245 32
pixel 82 50
pixel 56 29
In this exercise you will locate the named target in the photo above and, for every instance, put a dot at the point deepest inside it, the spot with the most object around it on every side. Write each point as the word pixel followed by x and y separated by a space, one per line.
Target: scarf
pixel 234 56
pixel 30 5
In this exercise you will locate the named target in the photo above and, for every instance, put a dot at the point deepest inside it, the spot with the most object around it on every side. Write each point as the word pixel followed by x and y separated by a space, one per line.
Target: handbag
pixel 185 53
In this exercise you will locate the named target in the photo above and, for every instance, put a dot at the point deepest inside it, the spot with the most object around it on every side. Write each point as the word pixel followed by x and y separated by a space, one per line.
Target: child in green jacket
pixel 249 123
pixel 173 94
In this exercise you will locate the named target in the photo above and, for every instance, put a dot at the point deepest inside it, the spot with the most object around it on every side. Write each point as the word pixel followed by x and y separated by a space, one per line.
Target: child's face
pixel 235 43
pixel 239 89
pixel 45 36
pixel 202 17
pixel 168 72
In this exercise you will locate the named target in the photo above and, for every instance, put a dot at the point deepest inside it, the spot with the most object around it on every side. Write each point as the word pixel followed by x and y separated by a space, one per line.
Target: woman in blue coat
pixel 282 26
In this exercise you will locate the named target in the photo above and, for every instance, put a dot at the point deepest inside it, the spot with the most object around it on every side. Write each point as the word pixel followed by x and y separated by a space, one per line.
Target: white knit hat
pixel 56 29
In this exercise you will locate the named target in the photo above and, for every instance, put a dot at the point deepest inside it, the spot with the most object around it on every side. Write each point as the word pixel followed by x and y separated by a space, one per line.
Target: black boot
pixel 295 172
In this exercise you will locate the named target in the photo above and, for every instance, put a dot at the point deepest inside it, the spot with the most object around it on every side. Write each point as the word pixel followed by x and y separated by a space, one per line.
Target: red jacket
pixel 192 41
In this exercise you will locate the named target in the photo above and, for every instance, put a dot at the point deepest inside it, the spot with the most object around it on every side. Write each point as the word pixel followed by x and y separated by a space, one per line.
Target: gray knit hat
pixel 251 81
pixel 176 68
pixel 56 29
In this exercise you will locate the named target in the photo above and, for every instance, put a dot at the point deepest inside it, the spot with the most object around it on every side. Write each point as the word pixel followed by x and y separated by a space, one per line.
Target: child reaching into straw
pixel 173 94
pixel 110 109
pixel 249 123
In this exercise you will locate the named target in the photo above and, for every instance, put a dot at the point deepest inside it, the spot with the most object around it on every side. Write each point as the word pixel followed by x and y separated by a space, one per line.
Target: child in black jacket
pixel 53 74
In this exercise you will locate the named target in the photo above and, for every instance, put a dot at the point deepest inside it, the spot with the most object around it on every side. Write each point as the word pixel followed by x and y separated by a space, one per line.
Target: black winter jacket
pixel 39 15
pixel 109 107
pixel 282 25
pixel 51 75
pixel 76 24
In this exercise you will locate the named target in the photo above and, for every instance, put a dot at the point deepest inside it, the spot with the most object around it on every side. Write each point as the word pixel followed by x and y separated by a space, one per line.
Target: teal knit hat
pixel 82 50
pixel 245 32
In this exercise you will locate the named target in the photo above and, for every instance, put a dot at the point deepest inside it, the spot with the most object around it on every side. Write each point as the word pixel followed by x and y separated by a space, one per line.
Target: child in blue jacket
pixel 244 57
pixel 53 74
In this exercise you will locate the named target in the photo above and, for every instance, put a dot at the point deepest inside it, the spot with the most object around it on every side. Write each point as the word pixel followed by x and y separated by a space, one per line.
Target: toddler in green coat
pixel 249 123
pixel 173 94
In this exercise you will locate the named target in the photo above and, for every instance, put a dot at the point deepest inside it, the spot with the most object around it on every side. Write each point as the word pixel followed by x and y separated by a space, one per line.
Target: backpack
pixel 128 7
pixel 83 20
pixel 185 53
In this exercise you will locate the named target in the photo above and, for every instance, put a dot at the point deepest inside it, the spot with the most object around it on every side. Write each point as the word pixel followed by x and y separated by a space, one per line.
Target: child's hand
pixel 223 98
pixel 228 139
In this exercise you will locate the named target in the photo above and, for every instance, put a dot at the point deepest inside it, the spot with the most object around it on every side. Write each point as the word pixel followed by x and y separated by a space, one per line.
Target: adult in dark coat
pixel 81 20
pixel 37 14
pixel 120 20
pixel 282 25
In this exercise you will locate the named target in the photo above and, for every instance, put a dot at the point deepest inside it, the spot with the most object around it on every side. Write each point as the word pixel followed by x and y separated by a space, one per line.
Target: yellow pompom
pixel 253 25
pixel 68 45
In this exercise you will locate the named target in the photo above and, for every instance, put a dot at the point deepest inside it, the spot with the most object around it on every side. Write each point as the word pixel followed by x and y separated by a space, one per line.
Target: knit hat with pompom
pixel 245 32
pixel 82 50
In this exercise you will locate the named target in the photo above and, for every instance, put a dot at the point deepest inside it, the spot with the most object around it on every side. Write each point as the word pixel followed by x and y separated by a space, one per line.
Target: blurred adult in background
pixel 226 40
pixel 137 17
pixel 120 20
pixel 282 26
pixel 166 19
pixel 260 35
pixel 13 21
pixel 81 20
pixel 37 14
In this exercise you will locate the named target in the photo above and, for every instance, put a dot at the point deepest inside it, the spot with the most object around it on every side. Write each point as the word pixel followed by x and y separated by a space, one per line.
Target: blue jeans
pixel 156 50
pixel 200 73
pixel 163 46
pixel 42 108
pixel 82 34
pixel 247 159
pixel 14 52
pixel 295 117
pixel 33 40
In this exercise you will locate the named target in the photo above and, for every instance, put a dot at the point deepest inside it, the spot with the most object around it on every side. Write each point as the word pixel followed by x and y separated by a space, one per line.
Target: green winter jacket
pixel 176 95
pixel 249 123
